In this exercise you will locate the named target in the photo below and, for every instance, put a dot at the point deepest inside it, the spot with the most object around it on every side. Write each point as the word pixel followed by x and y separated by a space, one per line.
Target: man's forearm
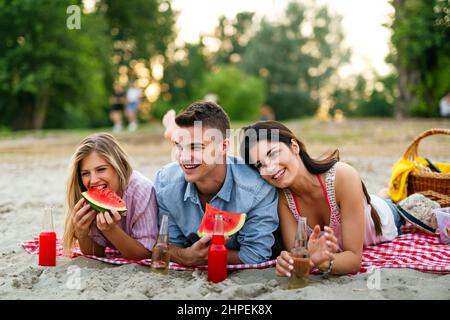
pixel 233 257
pixel 182 256
pixel 178 255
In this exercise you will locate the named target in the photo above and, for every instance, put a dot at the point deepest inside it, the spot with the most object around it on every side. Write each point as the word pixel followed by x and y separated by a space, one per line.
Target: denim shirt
pixel 243 191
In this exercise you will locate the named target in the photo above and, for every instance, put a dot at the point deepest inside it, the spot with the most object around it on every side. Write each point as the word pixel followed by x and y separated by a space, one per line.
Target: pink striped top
pixel 141 220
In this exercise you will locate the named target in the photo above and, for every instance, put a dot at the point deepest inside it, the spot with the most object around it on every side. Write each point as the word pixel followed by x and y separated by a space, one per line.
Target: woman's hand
pixel 285 264
pixel 322 248
pixel 83 216
pixel 108 221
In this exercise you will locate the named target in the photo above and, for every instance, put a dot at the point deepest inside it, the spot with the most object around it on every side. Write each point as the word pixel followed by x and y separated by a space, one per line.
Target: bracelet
pixel 327 273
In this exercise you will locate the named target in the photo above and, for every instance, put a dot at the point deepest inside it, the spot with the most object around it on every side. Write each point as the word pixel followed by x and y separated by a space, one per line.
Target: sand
pixel 32 178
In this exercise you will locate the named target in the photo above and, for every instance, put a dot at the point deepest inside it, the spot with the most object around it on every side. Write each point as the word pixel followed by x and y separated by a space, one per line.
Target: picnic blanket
pixel 113 257
pixel 418 251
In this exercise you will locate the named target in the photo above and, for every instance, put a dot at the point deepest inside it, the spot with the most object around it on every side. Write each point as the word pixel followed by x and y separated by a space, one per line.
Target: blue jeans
pixel 398 219
pixel 132 106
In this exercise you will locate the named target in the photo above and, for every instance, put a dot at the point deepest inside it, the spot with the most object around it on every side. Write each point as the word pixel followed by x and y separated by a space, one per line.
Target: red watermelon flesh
pixel 232 222
pixel 104 200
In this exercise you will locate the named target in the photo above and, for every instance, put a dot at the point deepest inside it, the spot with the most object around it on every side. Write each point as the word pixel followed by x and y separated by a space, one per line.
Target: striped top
pixel 140 221
pixel 388 227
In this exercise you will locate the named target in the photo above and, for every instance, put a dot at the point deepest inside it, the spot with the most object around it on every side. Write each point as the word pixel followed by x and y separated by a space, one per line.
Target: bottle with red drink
pixel 47 240
pixel 217 253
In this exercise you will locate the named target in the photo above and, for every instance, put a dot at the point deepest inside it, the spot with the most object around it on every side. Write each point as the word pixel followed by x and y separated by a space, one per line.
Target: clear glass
pixel 299 253
pixel 47 220
pixel 160 252
pixel 218 225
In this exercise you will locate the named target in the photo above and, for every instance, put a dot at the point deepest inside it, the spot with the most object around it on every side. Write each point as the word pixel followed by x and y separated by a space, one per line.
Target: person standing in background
pixel 266 113
pixel 133 98
pixel 118 101
pixel 445 105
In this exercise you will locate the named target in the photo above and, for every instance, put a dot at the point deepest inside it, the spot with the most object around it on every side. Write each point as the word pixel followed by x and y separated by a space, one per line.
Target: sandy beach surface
pixel 33 171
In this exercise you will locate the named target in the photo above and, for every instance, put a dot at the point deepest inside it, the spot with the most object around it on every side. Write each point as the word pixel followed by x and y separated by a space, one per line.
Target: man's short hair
pixel 209 113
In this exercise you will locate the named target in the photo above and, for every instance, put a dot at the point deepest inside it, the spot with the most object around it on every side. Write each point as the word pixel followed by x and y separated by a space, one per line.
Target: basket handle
pixel 411 153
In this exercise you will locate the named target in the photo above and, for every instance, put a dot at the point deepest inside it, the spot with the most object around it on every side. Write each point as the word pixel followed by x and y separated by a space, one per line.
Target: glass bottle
pixel 47 240
pixel 217 253
pixel 160 252
pixel 299 253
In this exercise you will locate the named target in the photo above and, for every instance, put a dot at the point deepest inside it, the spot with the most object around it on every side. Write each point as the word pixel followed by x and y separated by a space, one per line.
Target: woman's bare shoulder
pixel 345 171
pixel 347 180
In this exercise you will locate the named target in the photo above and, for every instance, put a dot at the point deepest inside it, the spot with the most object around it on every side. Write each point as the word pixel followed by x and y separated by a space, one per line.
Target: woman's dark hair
pixel 273 130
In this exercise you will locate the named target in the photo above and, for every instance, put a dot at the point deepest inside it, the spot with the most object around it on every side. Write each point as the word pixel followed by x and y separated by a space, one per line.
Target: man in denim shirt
pixel 205 174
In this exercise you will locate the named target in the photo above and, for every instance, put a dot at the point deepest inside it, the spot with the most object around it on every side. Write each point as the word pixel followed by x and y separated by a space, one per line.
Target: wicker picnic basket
pixel 442 199
pixel 421 180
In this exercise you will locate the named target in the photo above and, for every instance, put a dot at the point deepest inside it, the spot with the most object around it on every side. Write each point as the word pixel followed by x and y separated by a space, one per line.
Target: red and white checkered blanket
pixel 423 252
pixel 114 257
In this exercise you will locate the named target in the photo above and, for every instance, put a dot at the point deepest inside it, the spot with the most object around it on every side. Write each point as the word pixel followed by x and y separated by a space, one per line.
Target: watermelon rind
pixel 99 207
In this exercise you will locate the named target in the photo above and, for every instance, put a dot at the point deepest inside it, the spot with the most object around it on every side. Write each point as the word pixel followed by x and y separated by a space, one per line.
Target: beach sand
pixel 33 174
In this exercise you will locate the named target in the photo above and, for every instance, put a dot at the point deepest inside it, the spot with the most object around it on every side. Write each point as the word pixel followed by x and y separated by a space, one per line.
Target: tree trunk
pixel 408 78
pixel 24 113
pixel 32 111
pixel 40 112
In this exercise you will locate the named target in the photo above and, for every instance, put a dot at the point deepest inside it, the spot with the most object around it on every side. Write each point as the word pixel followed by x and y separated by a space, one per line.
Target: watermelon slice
pixel 232 222
pixel 104 200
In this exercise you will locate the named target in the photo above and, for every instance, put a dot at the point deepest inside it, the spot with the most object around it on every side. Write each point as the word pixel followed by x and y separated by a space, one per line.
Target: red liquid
pixel 47 249
pixel 217 259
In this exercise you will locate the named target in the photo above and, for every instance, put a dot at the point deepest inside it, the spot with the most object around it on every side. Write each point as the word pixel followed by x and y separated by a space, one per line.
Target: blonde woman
pixel 100 162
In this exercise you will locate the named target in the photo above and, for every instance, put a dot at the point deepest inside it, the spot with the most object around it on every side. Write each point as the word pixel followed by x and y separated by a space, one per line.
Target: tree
pixel 421 46
pixel 51 76
pixel 44 64
pixel 365 98
pixel 139 28
pixel 239 94
pixel 299 66
pixel 233 36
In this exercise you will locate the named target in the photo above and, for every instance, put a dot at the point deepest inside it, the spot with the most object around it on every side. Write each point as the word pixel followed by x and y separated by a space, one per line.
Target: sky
pixel 362 24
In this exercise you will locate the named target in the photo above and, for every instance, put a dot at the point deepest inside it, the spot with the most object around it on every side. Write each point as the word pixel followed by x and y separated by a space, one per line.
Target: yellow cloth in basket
pixel 398 185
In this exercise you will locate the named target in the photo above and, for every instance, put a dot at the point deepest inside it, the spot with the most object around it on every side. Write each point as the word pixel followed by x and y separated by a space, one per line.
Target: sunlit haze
pixel 362 23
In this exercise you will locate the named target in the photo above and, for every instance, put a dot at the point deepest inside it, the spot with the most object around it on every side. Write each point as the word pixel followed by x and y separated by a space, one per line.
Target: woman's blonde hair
pixel 109 149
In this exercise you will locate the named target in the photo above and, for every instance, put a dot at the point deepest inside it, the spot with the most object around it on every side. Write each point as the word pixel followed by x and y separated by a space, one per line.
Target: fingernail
pixel 328 243
pixel 288 274
pixel 291 261
pixel 291 267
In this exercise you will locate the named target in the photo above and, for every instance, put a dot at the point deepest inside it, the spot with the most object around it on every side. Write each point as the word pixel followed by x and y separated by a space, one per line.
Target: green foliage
pixel 362 101
pixel 46 68
pixel 184 77
pixel 297 65
pixel 233 36
pixel 421 42
pixel 139 28
pixel 239 94
pixel 51 76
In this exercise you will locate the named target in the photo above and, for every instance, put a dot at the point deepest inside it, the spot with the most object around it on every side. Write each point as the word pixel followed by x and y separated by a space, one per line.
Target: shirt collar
pixel 224 192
